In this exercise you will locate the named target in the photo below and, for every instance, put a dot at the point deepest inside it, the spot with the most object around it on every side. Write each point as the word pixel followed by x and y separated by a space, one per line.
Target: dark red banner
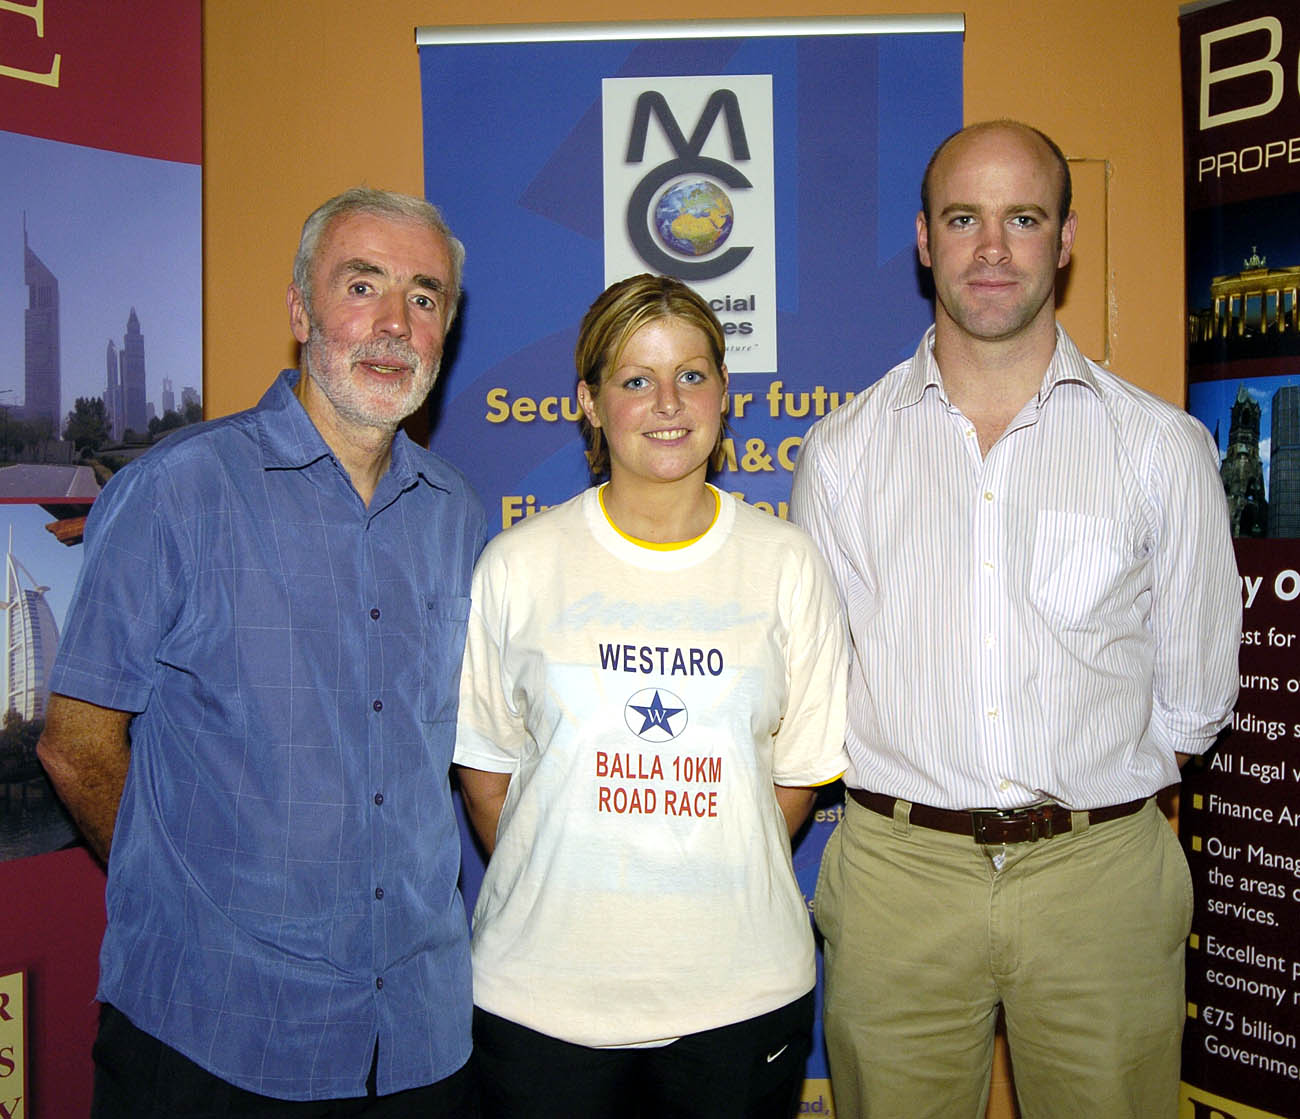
pixel 1240 823
pixel 116 75
pixel 1239 818
pixel 99 232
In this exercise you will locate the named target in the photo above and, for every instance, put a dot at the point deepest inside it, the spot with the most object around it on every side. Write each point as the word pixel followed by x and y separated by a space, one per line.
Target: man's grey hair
pixel 384 204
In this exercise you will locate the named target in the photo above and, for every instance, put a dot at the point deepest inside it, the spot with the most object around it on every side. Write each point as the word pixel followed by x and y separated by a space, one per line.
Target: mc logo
pixel 689 161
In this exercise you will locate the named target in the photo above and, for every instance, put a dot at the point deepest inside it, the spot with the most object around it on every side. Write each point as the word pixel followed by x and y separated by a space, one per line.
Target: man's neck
pixel 990 381
pixel 363 451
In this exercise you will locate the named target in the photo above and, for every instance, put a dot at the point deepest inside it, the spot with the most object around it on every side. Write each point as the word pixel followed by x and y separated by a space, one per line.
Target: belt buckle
pixel 1038 817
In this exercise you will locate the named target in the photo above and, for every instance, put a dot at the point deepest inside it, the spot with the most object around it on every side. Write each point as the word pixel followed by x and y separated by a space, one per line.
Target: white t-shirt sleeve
pixel 490 732
pixel 809 746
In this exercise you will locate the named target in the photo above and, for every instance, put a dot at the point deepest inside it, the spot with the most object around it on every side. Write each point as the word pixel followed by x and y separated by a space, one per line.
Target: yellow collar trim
pixel 669 546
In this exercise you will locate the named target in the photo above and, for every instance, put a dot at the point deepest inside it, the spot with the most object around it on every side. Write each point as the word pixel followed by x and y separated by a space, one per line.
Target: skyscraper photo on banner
pixel 1240 808
pixel 774 166
pixel 101 340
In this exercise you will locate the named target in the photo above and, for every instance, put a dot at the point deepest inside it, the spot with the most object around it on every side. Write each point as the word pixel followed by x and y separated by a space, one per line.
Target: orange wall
pixel 304 99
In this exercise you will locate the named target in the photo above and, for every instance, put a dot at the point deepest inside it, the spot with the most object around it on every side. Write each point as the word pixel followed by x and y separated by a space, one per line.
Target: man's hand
pixel 86 750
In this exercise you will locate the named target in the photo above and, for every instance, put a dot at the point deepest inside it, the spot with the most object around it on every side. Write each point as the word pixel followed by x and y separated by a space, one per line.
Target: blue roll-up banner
pixel 773 165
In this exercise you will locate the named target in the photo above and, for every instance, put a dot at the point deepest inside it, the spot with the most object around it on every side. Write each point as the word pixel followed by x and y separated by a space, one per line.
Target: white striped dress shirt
pixel 1054 619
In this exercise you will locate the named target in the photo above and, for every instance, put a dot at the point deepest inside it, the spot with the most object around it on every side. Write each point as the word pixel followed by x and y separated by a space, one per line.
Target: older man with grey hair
pixel 253 712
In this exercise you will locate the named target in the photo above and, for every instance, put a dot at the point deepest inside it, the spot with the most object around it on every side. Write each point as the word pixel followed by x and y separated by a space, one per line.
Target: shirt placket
pixel 989 609
pixel 378 808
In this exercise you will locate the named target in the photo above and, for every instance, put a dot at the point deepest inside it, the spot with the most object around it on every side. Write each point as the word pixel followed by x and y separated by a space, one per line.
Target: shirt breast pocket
pixel 446 619
pixel 1079 566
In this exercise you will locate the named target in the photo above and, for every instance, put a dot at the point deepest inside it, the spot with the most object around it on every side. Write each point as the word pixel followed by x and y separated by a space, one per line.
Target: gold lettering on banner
pixel 13 1054
pixel 34 11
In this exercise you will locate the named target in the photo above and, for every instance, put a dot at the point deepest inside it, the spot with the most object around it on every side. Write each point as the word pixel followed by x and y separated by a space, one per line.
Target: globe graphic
pixel 693 217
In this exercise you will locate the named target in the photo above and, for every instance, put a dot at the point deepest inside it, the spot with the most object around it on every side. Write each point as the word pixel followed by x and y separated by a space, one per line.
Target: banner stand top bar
pixel 692 29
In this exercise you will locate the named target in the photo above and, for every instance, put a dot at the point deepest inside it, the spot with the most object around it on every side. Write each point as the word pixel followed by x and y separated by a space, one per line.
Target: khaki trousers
pixel 1080 938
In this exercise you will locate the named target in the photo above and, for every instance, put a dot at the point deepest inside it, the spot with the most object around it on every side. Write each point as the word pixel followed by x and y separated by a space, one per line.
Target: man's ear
pixel 299 320
pixel 1067 239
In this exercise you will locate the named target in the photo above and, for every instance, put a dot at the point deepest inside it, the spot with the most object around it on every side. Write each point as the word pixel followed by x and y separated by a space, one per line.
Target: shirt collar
pixel 408 464
pixel 922 374
pixel 1067 365
pixel 289 439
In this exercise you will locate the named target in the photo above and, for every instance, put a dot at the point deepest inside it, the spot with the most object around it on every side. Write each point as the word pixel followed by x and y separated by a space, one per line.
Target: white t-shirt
pixel 644 702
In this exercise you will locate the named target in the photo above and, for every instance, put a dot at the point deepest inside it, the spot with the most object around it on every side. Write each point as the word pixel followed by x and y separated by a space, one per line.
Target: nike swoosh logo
pixel 773 1056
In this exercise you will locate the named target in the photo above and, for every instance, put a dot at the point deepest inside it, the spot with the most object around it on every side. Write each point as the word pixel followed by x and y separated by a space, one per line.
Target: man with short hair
pixel 1035 561
pixel 254 708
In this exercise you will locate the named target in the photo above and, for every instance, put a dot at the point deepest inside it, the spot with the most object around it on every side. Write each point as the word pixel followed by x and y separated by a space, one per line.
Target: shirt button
pixel 379 893
pixel 379 983
pixel 379 798
pixel 992 712
pixel 988 567
pixel 1004 785
pixel 990 641
pixel 988 495
pixel 378 705
pixel 374 612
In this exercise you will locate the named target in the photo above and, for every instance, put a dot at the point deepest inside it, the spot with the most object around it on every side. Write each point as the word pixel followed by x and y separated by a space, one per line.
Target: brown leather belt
pixel 996 825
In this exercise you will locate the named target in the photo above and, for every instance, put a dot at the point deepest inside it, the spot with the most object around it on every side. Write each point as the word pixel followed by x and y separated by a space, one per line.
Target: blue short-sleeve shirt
pixel 282 885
